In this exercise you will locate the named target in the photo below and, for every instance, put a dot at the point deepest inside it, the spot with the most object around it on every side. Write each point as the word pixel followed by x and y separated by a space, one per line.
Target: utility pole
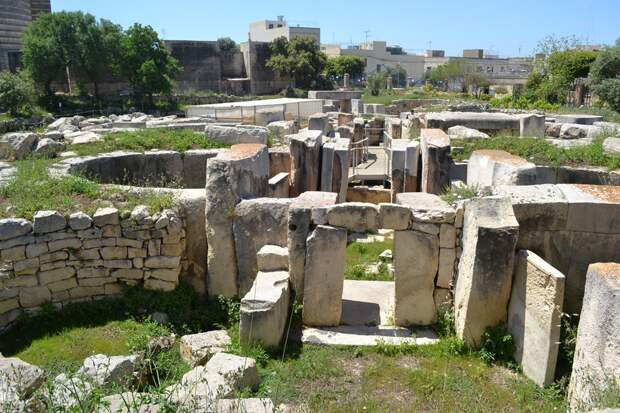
pixel 366 34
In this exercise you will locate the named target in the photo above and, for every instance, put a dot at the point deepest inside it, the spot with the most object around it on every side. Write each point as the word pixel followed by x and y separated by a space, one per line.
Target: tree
pixel 476 82
pixel 376 82
pixel 16 91
pixel 227 46
pixel 300 59
pixel 604 76
pixel 398 74
pixel 551 44
pixel 446 73
pixel 146 63
pixel 337 67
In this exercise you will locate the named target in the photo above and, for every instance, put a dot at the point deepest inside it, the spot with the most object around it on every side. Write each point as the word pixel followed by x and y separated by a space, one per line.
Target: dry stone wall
pixel 57 259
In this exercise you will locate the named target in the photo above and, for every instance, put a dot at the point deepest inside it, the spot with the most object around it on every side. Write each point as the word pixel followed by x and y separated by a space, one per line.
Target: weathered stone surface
pixel 445 275
pixel 534 316
pixel 272 258
pixel 592 208
pixel 69 392
pixel 611 146
pixel 576 131
pixel 106 216
pixel 34 296
pixel 18 378
pixel 264 309
pixel 489 168
pixel 354 216
pixel 130 402
pixel 484 277
pixel 299 220
pixel 233 135
pixel 436 160
pixel 393 216
pixel 13 228
pixel 596 365
pixel 197 349
pixel 462 132
pixel 532 126
pixel 416 257
pixel 106 370
pixel 305 149
pixel 257 222
pixel 17 145
pixel 447 236
pixel 80 221
pixel 245 405
pixel 427 208
pixel 486 122
pixel 324 274
pixel 48 148
pixel 48 221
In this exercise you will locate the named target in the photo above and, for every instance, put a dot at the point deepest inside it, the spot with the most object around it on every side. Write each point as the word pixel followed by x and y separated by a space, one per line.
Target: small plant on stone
pixel 497 346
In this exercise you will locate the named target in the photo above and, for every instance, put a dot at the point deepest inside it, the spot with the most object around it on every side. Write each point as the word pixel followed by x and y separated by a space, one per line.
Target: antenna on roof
pixel 366 34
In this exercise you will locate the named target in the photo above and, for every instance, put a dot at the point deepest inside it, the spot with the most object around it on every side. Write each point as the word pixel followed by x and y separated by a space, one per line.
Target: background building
pixel 269 30
pixel 15 16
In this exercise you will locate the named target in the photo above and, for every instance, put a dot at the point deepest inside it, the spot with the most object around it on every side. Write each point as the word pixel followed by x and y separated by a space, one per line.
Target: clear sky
pixel 505 27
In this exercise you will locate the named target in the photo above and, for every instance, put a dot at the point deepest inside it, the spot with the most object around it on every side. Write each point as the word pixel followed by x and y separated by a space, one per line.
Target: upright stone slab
pixel 596 365
pixel 532 126
pixel 264 310
pixel 243 171
pixel 335 168
pixel 412 160
pixel 534 316
pixel 299 220
pixel 359 129
pixel 324 276
pixel 436 160
pixel 489 168
pixel 484 279
pixel 399 161
pixel 305 148
pixel 416 259
pixel 319 122
pixel 256 223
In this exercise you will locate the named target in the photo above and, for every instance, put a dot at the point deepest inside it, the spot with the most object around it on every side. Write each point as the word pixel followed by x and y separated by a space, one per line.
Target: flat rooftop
pixel 261 102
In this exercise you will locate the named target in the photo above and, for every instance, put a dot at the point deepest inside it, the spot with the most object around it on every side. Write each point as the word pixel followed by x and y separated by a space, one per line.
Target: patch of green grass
pixel 541 152
pixel 360 255
pixel 459 193
pixel 147 139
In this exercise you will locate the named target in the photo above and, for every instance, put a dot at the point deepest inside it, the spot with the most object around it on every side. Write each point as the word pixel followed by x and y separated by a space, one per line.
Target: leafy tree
pixel 16 91
pixel 227 46
pixel 446 73
pixel 146 63
pixel 552 44
pixel 300 59
pixel 337 67
pixel 604 76
pixel 376 82
pixel 476 82
pixel 398 74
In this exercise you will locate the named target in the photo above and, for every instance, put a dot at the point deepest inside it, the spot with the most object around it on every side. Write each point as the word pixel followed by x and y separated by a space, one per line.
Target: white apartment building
pixel 269 30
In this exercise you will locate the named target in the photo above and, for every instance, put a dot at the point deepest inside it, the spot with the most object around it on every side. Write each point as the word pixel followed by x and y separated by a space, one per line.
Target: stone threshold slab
pixel 367 336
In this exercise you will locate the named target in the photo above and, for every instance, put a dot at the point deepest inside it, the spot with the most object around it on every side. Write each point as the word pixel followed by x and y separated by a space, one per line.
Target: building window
pixel 279 25
pixel 271 26
pixel 378 68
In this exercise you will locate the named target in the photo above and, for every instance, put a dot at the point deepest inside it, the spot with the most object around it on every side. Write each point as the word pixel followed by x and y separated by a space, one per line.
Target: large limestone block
pixel 257 222
pixel 305 149
pixel 489 168
pixel 427 208
pixel 232 135
pixel 416 260
pixel 18 378
pixel 106 370
pixel 324 276
pixel 197 349
pixel 245 405
pixel 335 167
pixel 534 316
pixel 393 216
pixel 17 145
pixel 596 366
pixel 436 160
pixel 272 258
pixel 484 279
pixel 299 220
pixel 611 146
pixel 592 208
pixel 264 310
pixel 354 216
pixel 532 126
pixel 462 132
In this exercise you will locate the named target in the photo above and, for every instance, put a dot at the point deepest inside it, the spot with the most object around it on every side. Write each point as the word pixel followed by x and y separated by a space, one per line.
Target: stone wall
pixel 57 259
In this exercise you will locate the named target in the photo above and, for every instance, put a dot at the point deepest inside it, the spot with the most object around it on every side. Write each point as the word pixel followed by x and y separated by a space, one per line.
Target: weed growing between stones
pixel 497 346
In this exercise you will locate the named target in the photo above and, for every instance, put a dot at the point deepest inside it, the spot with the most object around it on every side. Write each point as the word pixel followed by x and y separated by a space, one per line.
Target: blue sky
pixel 505 27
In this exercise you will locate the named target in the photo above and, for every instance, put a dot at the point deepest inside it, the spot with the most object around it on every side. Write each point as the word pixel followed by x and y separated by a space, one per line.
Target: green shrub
pixel 497 345
pixel 16 92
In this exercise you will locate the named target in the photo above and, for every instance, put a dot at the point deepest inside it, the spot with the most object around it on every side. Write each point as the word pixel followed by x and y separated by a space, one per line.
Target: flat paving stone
pixel 367 336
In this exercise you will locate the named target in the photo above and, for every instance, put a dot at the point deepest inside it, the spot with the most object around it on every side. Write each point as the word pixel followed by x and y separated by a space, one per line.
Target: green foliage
pixel 16 92
pixel 605 76
pixel 497 345
pixel 337 67
pixel 147 139
pixel 443 75
pixel 461 192
pixel 542 152
pixel 361 255
pixel 398 74
pixel 476 83
pixel 146 63
pixel 299 58
pixel 376 83
pixel 227 46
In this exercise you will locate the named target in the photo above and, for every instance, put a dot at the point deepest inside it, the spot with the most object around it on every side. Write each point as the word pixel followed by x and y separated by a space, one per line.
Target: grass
pixel 360 255
pixel 147 139
pixel 541 152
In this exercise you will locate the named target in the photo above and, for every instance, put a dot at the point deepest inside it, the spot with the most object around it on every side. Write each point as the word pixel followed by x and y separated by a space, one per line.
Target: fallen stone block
pixel 462 132
pixel 18 378
pixel 197 349
pixel 106 370
pixel 264 310
pixel 488 168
